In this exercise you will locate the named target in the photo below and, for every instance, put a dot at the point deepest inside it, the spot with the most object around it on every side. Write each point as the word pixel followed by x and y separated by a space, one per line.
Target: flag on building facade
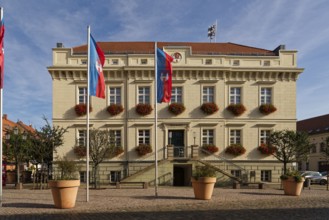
pixel 2 54
pixel 96 76
pixel 164 76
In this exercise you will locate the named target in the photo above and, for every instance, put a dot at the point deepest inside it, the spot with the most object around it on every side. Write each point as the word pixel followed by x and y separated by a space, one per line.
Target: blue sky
pixel 34 27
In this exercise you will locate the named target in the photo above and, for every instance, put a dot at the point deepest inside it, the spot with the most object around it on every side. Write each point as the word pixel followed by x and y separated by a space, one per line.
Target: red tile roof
pixel 314 125
pixel 197 48
pixel 8 125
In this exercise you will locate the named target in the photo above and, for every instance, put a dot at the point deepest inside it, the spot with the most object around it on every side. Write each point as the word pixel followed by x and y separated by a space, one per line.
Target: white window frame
pixel 264 134
pixel 266 175
pixel 81 137
pixel 208 136
pixel 144 136
pixel 235 136
pixel 115 61
pixel 177 94
pixel 266 95
pixel 116 96
pixel 117 137
pixel 208 94
pixel 82 95
pixel 144 95
pixel 235 95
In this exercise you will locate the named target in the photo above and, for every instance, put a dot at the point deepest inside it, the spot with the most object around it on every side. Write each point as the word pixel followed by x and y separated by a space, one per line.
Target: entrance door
pixel 176 138
pixel 182 174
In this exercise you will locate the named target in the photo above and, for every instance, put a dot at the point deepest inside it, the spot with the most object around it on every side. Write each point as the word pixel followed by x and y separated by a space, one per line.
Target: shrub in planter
pixel 115 109
pixel 176 108
pixel 143 149
pixel 144 109
pixel 236 109
pixel 266 149
pixel 210 148
pixel 292 183
pixel 81 109
pixel 235 149
pixel 203 182
pixel 267 109
pixel 209 108
pixel 80 151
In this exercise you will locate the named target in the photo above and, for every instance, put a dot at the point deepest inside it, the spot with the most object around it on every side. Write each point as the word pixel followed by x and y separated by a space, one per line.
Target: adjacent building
pixel 318 131
pixel 220 73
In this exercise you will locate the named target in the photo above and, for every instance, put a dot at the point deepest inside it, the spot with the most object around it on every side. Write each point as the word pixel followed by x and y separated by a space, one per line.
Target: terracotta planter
pixel 64 192
pixel 203 187
pixel 291 187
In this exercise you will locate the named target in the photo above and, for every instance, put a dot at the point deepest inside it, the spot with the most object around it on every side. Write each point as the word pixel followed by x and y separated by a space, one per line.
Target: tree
pixel 101 146
pixel 290 146
pixel 43 143
pixel 16 148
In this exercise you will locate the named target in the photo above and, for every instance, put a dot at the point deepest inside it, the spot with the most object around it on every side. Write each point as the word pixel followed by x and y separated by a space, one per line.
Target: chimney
pixel 59 45
pixel 4 116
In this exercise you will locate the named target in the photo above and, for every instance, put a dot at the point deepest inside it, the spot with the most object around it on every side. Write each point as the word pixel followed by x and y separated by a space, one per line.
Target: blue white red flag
pixel 96 76
pixel 164 76
pixel 2 53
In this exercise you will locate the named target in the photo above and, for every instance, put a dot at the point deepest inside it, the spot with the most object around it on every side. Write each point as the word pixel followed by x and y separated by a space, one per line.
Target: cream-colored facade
pixel 251 70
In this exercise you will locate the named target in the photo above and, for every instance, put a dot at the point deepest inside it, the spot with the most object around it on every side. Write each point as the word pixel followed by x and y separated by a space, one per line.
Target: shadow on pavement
pixel 27 205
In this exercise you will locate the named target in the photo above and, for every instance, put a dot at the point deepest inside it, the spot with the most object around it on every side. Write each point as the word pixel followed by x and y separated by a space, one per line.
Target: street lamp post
pixel 194 136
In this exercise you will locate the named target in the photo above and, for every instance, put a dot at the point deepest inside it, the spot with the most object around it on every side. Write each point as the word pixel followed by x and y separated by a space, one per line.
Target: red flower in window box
pixel 117 151
pixel 267 108
pixel 210 148
pixel 80 151
pixel 236 109
pixel 143 149
pixel 235 149
pixel 176 108
pixel 209 108
pixel 266 149
pixel 144 109
pixel 81 109
pixel 115 109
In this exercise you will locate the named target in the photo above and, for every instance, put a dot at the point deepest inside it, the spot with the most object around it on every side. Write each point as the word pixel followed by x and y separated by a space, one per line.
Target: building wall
pixel 192 72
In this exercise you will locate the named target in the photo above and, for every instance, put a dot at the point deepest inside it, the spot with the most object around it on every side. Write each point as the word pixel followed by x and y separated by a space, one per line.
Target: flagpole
pixel 1 121
pixel 156 117
pixel 87 106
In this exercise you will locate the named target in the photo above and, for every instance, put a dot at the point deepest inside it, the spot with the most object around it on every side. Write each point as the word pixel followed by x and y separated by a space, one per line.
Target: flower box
pixel 265 149
pixel 176 108
pixel 235 149
pixel 267 109
pixel 210 148
pixel 143 149
pixel 118 150
pixel 236 109
pixel 209 108
pixel 144 109
pixel 115 109
pixel 81 109
pixel 80 151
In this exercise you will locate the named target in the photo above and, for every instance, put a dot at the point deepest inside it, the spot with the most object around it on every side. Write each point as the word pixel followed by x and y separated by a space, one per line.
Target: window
pixel 143 61
pixel 82 137
pixel 83 61
pixel 313 149
pixel 115 95
pixel 144 137
pixel 266 96
pixel 144 95
pixel 236 173
pixel 115 176
pixel 208 94
pixel 266 175
pixel 116 137
pixel 115 61
pixel 207 136
pixel 236 62
pixel 235 95
pixel 322 147
pixel 83 176
pixel 176 95
pixel 267 63
pixel 235 137
pixel 208 61
pixel 264 135
pixel 82 95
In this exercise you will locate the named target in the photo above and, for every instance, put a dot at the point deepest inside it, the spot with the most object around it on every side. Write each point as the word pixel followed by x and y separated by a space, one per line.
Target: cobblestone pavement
pixel 171 203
